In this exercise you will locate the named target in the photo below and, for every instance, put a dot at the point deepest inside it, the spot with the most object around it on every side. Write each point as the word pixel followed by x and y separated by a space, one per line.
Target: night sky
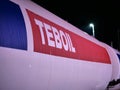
pixel 104 14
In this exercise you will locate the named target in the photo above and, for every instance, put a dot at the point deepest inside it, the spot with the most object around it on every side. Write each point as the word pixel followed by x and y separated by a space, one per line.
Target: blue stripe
pixel 12 26
pixel 118 56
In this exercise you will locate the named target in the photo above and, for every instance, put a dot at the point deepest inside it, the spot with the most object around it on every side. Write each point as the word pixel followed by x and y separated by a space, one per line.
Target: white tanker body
pixel 40 51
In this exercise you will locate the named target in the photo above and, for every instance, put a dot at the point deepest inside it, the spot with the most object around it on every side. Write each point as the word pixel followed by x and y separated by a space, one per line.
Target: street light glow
pixel 92 26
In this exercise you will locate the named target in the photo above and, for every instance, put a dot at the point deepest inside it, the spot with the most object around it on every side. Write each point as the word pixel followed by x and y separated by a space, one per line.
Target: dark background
pixel 104 14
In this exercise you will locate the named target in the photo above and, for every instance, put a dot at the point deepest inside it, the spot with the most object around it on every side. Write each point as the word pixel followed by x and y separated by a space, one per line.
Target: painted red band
pixel 50 38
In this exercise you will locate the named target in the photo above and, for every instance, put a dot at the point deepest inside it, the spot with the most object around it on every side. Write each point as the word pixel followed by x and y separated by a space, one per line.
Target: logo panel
pixel 50 38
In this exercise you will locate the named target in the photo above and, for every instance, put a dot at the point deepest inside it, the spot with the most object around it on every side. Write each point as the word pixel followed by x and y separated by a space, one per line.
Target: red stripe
pixel 84 49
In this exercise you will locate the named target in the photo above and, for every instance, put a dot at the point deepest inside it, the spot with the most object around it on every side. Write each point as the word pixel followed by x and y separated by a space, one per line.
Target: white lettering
pixel 57 38
pixel 49 35
pixel 70 43
pixel 54 37
pixel 40 24
pixel 64 40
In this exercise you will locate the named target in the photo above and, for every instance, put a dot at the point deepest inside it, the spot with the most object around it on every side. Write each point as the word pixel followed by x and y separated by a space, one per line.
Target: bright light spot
pixel 91 25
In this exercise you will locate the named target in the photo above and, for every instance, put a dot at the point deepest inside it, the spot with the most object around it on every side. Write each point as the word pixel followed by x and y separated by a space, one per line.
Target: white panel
pixel 23 70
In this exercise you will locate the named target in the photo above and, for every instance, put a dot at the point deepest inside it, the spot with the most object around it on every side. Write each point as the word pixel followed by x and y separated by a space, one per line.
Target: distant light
pixel 92 26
